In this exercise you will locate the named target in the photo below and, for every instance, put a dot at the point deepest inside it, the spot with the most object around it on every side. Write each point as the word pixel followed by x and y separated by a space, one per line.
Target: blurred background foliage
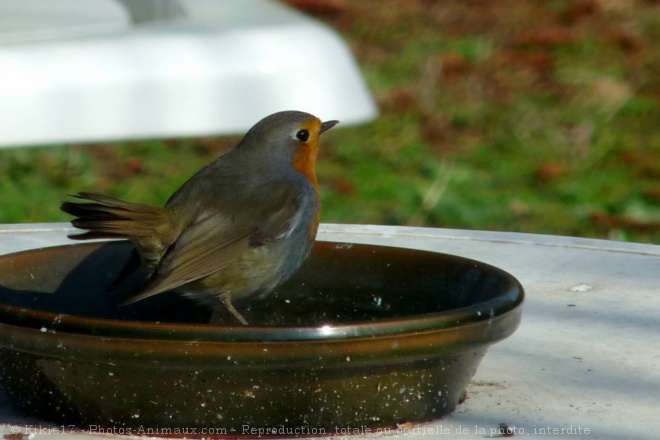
pixel 512 115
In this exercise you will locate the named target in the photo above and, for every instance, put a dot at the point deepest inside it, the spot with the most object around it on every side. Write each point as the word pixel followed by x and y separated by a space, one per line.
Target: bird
pixel 240 226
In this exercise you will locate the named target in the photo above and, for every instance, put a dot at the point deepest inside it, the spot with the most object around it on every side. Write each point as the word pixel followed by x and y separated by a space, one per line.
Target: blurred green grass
pixel 523 116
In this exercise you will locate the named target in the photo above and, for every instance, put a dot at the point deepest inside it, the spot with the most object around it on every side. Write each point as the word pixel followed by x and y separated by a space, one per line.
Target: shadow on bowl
pixel 361 336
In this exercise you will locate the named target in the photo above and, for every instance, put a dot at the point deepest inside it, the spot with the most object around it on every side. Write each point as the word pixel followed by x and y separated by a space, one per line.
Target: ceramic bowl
pixel 362 336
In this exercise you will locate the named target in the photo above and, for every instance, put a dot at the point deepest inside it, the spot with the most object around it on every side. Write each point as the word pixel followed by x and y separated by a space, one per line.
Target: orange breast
pixel 305 162
pixel 305 159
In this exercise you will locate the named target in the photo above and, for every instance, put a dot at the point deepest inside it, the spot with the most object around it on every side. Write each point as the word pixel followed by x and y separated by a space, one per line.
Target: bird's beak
pixel 328 125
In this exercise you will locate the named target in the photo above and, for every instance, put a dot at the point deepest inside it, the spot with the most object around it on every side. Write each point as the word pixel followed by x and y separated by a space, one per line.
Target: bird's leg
pixel 227 303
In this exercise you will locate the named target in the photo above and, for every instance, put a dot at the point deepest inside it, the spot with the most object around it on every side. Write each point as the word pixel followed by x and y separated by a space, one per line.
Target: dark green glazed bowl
pixel 363 336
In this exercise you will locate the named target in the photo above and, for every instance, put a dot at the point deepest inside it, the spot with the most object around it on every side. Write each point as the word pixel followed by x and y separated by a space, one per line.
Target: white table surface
pixel 586 356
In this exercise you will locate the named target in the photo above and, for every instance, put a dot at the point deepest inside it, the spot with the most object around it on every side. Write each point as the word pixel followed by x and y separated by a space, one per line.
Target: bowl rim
pixel 485 311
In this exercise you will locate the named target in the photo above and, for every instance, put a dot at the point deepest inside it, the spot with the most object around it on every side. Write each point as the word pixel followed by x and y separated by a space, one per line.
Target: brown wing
pixel 217 238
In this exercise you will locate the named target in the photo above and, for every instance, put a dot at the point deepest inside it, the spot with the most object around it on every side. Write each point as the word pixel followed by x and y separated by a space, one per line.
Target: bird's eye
pixel 302 135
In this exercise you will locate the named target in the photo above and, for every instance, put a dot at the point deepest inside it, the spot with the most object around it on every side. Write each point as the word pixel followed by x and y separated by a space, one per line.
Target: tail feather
pixel 107 217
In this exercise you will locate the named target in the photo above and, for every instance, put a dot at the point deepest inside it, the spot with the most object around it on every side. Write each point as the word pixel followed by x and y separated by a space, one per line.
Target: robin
pixel 240 226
